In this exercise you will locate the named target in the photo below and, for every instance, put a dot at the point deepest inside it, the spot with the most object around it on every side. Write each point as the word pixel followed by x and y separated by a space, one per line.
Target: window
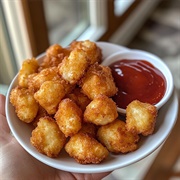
pixel 8 67
pixel 121 6
pixel 32 25
pixel 68 20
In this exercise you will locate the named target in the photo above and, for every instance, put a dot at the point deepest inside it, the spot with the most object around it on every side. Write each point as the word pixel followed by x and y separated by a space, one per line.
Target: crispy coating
pixel 54 56
pixel 47 137
pixel 85 149
pixel 101 111
pixel 56 50
pixel 116 138
pixel 41 113
pixel 79 98
pixel 49 95
pixel 92 51
pixel 73 67
pixel 98 80
pixel 29 66
pixel 25 105
pixel 36 80
pixel 68 88
pixel 89 128
pixel 68 117
pixel 141 117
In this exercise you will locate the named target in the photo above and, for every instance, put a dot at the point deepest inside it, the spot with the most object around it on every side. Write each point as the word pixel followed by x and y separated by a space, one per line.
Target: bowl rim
pixel 153 59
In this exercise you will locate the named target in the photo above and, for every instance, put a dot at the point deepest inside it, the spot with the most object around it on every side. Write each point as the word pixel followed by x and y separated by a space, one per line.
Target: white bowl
pixel 165 122
pixel 155 61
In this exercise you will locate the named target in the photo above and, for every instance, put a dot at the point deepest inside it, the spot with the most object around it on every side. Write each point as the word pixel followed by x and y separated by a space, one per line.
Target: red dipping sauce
pixel 137 80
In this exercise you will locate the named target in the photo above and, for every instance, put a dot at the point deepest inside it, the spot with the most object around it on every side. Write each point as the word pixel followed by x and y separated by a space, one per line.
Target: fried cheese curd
pixel 98 80
pixel 79 98
pixel 141 117
pixel 101 111
pixel 74 66
pixel 47 137
pixel 54 56
pixel 49 95
pixel 41 113
pixel 25 104
pixel 116 138
pixel 92 51
pixel 89 128
pixel 85 149
pixel 37 79
pixel 29 66
pixel 68 117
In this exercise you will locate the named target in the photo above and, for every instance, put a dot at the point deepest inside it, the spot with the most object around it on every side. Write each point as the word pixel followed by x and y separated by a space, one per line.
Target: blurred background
pixel 29 27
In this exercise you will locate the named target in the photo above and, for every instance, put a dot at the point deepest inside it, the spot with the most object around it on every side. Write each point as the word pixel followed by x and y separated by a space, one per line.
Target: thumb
pixel 2 104
pixel 3 122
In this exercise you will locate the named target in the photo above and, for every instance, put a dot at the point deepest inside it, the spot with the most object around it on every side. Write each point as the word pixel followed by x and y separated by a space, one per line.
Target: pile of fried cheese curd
pixel 67 98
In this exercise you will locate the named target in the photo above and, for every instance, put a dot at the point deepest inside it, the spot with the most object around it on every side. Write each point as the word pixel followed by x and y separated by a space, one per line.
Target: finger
pixel 3 122
pixel 96 176
pixel 2 104
pixel 99 176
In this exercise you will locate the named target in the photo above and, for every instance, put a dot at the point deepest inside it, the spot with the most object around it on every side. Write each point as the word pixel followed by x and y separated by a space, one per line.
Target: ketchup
pixel 137 80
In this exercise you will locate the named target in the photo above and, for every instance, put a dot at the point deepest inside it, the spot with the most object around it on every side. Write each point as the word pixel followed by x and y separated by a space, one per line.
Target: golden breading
pixel 68 117
pixel 141 117
pixel 29 66
pixel 41 113
pixel 25 105
pixel 56 50
pixel 98 80
pixel 36 80
pixel 54 55
pixel 47 137
pixel 89 128
pixel 79 98
pixel 90 48
pixel 116 138
pixel 49 95
pixel 101 111
pixel 85 149
pixel 73 67
pixel 68 88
